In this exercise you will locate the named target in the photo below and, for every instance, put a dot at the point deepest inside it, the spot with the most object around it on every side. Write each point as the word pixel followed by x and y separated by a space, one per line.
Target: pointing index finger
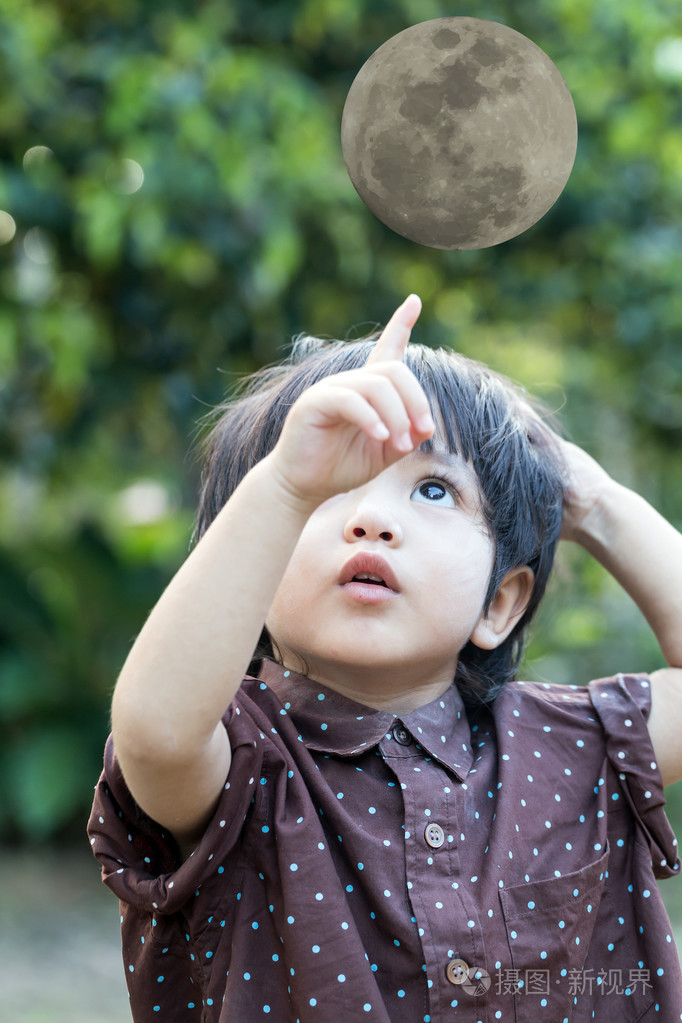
pixel 396 334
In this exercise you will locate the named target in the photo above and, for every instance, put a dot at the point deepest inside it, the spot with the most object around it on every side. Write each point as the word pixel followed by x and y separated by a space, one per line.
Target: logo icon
pixel 477 981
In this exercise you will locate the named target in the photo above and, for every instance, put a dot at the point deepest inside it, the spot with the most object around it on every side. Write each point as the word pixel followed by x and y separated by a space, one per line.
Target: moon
pixel 459 133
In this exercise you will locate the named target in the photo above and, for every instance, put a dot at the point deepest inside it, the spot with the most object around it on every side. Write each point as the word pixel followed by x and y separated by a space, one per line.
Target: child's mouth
pixel 368 578
pixel 372 580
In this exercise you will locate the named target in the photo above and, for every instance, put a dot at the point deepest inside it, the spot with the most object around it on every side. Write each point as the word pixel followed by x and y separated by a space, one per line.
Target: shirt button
pixel 457 971
pixel 401 735
pixel 434 835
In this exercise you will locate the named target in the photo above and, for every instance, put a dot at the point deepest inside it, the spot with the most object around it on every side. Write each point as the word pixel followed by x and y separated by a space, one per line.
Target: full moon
pixel 459 133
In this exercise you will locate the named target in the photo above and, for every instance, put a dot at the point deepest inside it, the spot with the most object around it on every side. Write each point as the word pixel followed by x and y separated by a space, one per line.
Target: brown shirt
pixel 444 866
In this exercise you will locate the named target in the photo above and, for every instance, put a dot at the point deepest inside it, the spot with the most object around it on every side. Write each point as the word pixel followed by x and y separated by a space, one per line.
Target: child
pixel 346 835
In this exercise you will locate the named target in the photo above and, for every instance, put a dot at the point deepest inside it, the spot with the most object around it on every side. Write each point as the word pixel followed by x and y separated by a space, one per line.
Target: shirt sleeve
pixel 140 860
pixel 623 705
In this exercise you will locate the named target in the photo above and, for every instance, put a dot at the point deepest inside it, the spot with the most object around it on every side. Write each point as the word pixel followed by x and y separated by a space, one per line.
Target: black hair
pixel 481 415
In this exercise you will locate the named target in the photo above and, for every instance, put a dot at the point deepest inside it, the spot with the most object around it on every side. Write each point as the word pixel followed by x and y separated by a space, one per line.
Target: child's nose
pixel 371 520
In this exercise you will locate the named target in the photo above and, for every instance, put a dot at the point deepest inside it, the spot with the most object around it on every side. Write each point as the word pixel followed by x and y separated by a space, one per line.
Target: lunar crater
pixel 423 104
pixel 487 52
pixel 445 39
pixel 462 91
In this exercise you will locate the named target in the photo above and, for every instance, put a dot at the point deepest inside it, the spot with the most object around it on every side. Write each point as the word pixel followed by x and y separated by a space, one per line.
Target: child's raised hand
pixel 395 337
pixel 347 428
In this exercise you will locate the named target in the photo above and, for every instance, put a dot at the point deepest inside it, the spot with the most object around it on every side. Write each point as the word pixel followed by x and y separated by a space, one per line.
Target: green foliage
pixel 181 209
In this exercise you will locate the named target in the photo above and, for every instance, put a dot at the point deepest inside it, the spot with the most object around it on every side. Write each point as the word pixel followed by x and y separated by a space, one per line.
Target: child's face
pixel 421 519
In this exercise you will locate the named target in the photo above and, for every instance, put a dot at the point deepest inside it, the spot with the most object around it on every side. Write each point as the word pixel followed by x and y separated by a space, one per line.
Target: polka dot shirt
pixel 496 865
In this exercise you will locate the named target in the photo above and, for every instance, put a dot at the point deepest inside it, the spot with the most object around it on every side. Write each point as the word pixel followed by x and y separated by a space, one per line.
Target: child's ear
pixel 507 606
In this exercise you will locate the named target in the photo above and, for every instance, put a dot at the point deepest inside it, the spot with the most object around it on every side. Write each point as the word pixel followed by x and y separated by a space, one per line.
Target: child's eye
pixel 434 492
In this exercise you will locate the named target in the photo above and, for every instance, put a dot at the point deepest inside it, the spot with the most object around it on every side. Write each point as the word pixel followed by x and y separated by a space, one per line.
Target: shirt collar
pixel 331 723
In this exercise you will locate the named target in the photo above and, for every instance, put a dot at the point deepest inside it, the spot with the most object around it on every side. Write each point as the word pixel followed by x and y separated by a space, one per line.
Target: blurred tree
pixel 174 207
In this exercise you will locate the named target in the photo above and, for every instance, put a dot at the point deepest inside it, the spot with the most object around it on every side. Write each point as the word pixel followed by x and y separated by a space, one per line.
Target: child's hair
pixel 481 416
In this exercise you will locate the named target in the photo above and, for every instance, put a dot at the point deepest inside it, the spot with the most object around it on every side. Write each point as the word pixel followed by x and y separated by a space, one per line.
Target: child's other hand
pixel 584 480
pixel 584 485
pixel 347 428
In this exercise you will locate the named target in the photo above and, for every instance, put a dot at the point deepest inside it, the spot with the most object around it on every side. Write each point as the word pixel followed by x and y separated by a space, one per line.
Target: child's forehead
pixel 437 450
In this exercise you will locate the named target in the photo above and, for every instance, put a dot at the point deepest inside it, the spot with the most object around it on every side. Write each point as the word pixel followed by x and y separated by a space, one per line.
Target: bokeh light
pixel 36 156
pixel 668 58
pixel 8 227
pixel 144 501
pixel 38 246
pixel 125 177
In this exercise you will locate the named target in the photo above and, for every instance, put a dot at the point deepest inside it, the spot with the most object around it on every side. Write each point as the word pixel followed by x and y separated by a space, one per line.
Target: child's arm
pixel 644 553
pixel 189 659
